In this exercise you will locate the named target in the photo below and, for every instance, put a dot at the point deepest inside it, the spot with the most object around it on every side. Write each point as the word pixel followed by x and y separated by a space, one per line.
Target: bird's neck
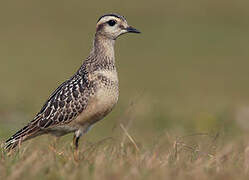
pixel 102 55
pixel 103 48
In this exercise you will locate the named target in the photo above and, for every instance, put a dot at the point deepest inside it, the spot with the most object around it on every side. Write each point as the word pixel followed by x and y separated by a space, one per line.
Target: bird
pixel 87 96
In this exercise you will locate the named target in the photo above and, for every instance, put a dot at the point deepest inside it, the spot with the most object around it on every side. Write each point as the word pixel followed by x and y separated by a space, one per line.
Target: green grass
pixel 186 73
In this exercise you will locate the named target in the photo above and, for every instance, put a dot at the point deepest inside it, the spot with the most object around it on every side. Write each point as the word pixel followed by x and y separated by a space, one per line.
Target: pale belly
pixel 98 107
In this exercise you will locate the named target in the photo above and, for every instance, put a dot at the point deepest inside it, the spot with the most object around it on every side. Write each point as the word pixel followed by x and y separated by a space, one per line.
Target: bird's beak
pixel 131 29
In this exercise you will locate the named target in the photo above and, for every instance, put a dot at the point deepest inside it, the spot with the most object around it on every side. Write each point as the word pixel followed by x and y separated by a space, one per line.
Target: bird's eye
pixel 111 22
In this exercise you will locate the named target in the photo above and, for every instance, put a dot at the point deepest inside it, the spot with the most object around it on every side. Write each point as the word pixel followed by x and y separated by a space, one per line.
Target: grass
pixel 195 156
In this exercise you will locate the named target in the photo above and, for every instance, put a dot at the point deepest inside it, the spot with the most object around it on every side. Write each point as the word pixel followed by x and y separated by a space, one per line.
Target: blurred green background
pixel 187 72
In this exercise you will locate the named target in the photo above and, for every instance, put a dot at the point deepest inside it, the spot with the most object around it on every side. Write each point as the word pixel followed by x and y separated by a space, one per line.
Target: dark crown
pixel 114 15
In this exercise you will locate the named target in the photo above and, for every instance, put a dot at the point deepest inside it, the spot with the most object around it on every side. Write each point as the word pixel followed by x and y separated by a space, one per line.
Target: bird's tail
pixel 29 131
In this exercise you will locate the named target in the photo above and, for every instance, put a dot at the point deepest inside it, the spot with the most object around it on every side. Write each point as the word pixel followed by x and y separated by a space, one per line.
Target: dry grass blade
pixel 130 138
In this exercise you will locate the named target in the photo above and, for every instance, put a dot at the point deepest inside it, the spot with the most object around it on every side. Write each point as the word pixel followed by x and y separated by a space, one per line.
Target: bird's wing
pixel 65 103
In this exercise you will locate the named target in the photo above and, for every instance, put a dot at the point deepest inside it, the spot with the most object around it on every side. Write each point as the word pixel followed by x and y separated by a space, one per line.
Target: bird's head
pixel 113 25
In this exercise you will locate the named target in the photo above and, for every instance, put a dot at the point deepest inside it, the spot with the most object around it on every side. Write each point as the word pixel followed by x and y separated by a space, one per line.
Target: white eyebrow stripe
pixel 107 18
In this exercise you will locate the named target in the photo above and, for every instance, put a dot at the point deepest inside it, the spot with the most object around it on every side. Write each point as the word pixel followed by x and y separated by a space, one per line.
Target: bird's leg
pixel 76 138
pixel 76 146
pixel 76 142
